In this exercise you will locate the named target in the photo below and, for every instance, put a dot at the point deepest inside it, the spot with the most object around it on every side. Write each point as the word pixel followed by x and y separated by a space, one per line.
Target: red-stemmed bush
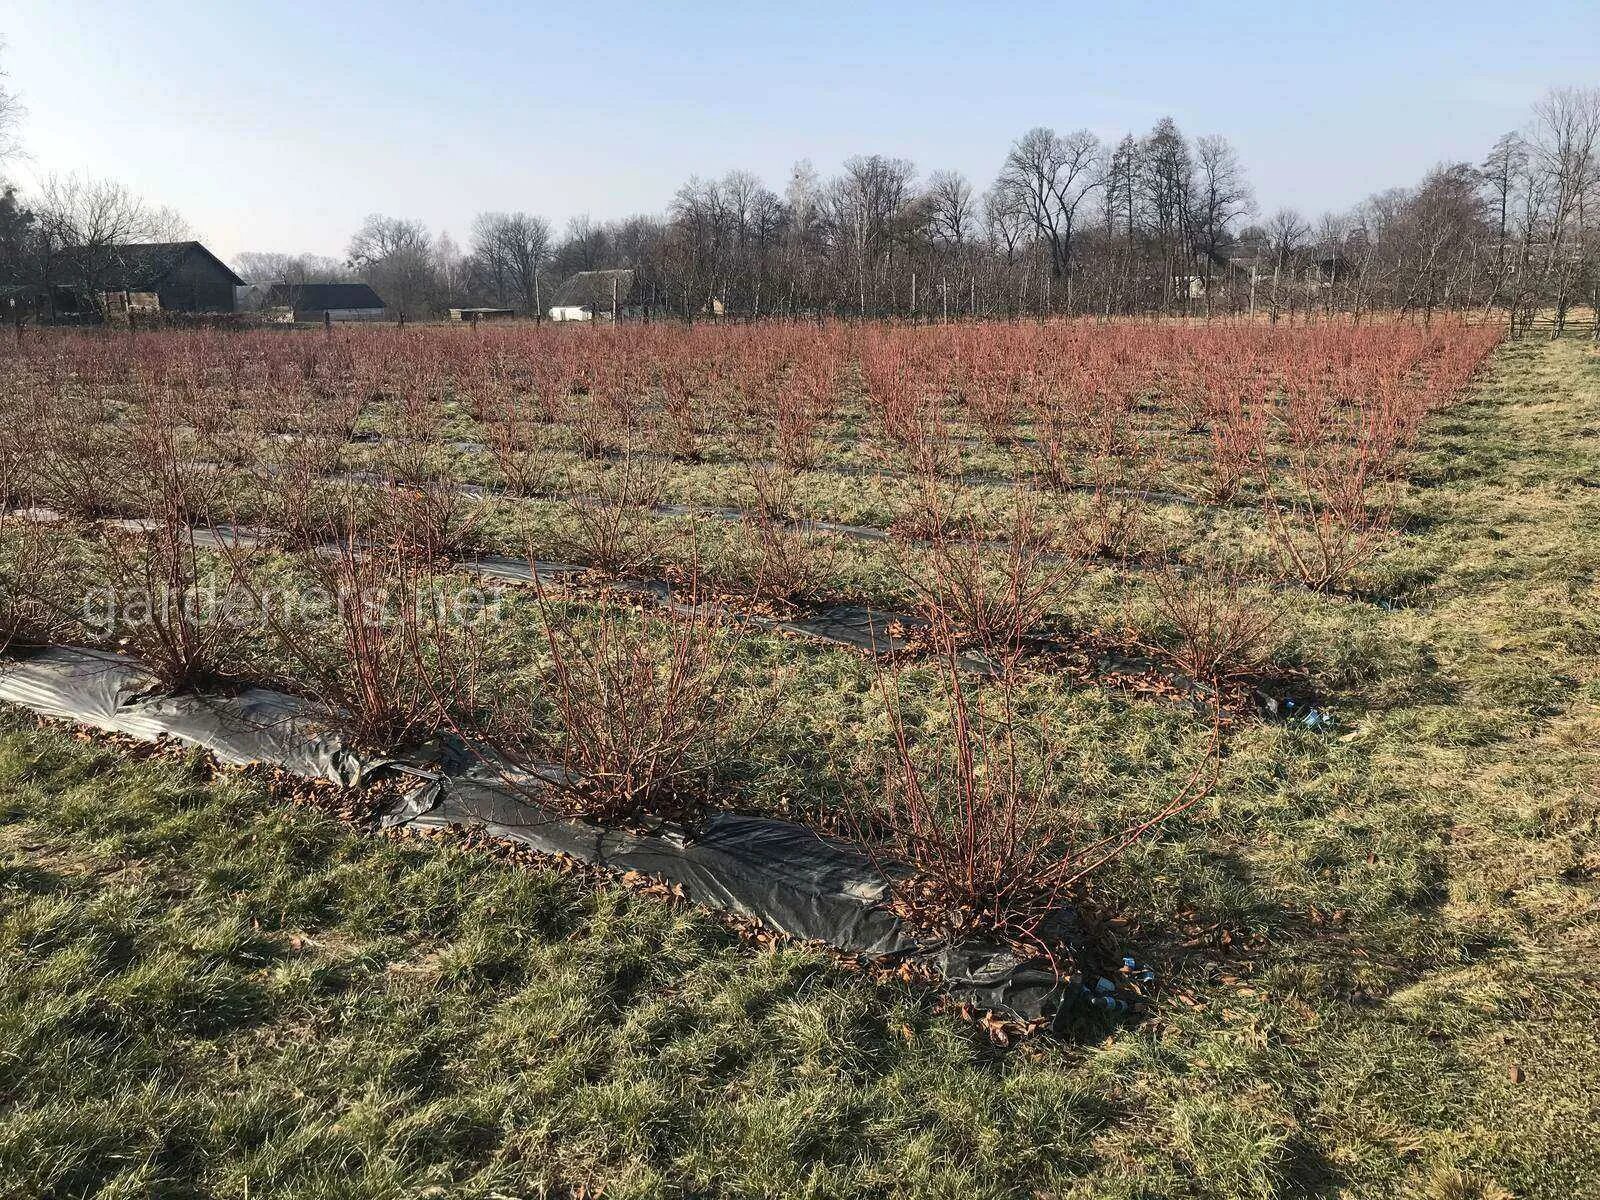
pixel 36 605
pixel 982 590
pixel 1235 442
pixel 614 530
pixel 367 660
pixel 513 438
pixel 803 402
pixel 1332 514
pixel 633 715
pixel 1213 627
pixel 174 594
pixel 780 563
pixel 680 419
pixel 972 816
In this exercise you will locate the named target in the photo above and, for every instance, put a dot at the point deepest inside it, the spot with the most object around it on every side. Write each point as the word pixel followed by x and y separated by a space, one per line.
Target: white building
pixel 595 295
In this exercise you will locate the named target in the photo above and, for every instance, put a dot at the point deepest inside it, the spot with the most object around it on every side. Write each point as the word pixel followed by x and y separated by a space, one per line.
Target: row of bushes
pixel 637 704
pixel 994 590
pixel 640 709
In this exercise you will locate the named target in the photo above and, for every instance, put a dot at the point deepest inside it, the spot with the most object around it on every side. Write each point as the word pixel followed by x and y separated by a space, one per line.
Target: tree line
pixel 1070 225
pixel 1158 223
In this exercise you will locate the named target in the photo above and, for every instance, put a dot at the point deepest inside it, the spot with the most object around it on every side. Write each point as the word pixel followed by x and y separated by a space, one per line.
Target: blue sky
pixel 279 126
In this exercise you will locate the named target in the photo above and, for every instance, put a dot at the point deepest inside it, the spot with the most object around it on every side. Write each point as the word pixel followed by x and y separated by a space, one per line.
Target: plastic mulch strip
pixel 785 875
pixel 114 693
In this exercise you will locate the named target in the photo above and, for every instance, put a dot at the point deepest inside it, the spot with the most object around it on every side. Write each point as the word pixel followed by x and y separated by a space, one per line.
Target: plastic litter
pixel 1137 972
pixel 1295 711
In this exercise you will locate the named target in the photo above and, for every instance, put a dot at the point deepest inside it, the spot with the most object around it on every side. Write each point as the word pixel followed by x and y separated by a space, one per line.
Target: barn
pixel 184 276
pixel 327 301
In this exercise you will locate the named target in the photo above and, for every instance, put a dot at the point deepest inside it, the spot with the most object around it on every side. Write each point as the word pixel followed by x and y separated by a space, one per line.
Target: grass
pixel 1377 944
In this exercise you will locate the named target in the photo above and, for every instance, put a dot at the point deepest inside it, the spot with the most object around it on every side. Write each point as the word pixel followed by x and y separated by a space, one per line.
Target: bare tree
pixel 954 214
pixel 450 272
pixel 84 225
pixel 510 252
pixel 1004 222
pixel 17 236
pixel 1333 236
pixel 17 223
pixel 1565 143
pixel 1501 170
pixel 1122 189
pixel 952 221
pixel 768 215
pixel 1149 224
pixel 804 236
pixel 1444 223
pixel 1005 226
pixel 1166 173
pixel 381 238
pixel 277 278
pixel 271 266
pixel 1222 196
pixel 740 190
pixel 396 257
pixel 863 204
pixel 526 240
pixel 491 272
pixel 1286 233
pixel 1121 204
pixel 702 222
pixel 585 246
pixel 1049 177
pixel 11 114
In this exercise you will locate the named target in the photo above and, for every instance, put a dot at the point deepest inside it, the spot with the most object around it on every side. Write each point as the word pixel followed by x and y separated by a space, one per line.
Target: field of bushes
pixel 1263 650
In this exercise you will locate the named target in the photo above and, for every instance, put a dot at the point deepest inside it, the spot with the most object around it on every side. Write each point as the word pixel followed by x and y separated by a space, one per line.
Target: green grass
pixel 204 991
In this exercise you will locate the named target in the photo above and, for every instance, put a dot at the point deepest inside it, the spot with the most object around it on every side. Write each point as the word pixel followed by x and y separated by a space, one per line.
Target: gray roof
pixel 593 290
pixel 144 266
pixel 319 297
